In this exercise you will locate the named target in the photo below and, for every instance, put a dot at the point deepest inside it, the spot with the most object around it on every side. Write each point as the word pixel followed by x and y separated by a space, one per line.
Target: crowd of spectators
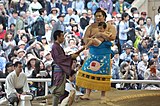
pixel 27 26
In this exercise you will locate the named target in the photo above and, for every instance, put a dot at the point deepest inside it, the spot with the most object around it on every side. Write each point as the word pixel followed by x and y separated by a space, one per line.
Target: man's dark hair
pixel 103 24
pixel 100 10
pixel 141 18
pixel 133 9
pixel 57 33
pixel 124 15
pixel 159 9
pixel 71 74
pixel 16 63
pixel 41 11
pixel 149 18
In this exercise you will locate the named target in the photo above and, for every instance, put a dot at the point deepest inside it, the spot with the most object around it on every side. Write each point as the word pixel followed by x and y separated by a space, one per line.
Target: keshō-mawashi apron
pixel 95 72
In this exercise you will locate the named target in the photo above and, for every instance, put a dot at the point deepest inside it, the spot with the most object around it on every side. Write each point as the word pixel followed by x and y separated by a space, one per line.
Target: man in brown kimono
pixel 62 68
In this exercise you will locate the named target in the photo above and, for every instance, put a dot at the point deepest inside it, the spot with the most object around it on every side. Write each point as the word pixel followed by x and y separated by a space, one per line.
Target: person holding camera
pixel 152 74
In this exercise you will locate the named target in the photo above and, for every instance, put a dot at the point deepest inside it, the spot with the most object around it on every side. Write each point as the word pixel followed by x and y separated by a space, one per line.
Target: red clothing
pixel 2 34
pixel 77 34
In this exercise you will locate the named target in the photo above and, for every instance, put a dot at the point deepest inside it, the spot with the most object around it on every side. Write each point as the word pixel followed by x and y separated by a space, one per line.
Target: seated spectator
pixel 121 6
pixel 152 74
pixel 84 19
pixel 142 66
pixel 2 32
pixel 92 5
pixel 78 5
pixel 53 14
pixel 127 53
pixel 108 7
pixel 127 73
pixel 149 28
pixel 30 65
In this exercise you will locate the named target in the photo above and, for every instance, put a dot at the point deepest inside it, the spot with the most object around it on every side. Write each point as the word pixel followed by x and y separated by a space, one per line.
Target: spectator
pixel 38 28
pixel 45 44
pixel 20 24
pixel 35 6
pixel 2 32
pixel 92 5
pixel 59 25
pixel 134 11
pixel 54 4
pixel 30 65
pixel 157 16
pixel 8 42
pixel 64 6
pixel 84 19
pixel 78 5
pixel 142 66
pixel 114 70
pixel 127 53
pixel 123 29
pixel 53 15
pixel 3 60
pixel 144 15
pixel 152 74
pixel 106 4
pixel 157 31
pixel 76 30
pixel 121 6
pixel 142 27
pixel 69 16
pixel 149 28
pixel 127 73
pixel 9 68
pixel 39 66
pixel 21 6
pixel 13 18
pixel 143 46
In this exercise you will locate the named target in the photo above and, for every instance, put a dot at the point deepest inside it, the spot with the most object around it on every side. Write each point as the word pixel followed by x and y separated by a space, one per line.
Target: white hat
pixel 21 43
pixel 46 53
pixel 31 57
pixel 84 12
pixel 118 15
pixel 109 18
pixel 21 50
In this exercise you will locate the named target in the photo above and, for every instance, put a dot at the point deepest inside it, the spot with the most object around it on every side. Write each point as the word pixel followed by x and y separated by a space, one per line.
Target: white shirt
pixel 13 81
pixel 70 86
pixel 148 75
pixel 33 5
pixel 157 18
pixel 141 68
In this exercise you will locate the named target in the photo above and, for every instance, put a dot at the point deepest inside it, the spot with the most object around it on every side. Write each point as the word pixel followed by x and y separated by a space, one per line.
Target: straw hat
pixel 31 57
pixel 21 50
